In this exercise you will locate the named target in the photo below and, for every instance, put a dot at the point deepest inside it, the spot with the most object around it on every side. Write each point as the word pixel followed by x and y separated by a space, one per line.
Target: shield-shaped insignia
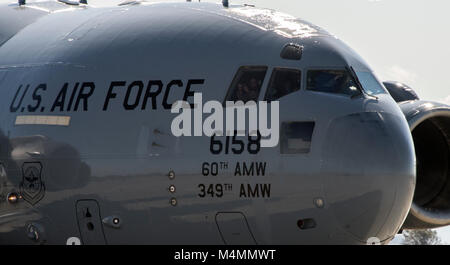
pixel 32 187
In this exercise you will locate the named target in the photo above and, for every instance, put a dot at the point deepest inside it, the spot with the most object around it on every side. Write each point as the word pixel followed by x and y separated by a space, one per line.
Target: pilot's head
pixel 241 91
pixel 287 86
pixel 253 84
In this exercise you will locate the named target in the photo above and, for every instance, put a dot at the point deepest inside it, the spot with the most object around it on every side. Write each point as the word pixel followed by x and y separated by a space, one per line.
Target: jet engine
pixel 430 127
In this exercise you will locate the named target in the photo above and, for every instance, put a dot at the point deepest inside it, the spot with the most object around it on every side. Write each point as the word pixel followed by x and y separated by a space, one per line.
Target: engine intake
pixel 430 128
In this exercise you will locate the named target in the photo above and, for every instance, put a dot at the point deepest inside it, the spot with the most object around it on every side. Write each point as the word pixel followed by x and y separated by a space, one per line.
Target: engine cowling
pixel 430 127
pixel 400 92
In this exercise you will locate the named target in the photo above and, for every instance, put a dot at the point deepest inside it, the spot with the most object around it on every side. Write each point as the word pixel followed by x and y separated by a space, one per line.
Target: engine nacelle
pixel 400 92
pixel 430 128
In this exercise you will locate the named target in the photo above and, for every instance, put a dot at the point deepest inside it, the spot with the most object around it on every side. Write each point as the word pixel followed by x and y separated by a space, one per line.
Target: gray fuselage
pixel 112 152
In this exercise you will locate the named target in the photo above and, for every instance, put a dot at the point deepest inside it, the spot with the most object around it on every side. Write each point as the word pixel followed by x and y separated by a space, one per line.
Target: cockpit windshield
pixel 370 84
pixel 332 81
pixel 247 84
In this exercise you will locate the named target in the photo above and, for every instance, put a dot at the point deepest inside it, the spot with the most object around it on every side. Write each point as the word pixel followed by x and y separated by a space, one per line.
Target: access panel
pixel 89 223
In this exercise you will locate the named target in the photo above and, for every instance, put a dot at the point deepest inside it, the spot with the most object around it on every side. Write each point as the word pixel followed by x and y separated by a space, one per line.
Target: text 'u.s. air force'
pixel 73 97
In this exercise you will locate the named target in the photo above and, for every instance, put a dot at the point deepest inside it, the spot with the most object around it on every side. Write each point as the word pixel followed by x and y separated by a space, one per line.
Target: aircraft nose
pixel 369 173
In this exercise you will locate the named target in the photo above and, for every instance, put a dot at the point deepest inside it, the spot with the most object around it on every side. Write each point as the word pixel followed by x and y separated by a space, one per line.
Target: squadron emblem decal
pixel 32 188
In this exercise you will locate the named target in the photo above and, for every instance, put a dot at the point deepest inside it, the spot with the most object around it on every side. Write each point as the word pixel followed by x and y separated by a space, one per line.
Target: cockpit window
pixel 283 82
pixel 247 84
pixel 370 84
pixel 332 81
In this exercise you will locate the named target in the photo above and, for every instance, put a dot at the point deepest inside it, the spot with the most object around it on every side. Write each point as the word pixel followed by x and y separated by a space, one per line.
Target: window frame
pixel 235 80
pixel 375 78
pixel 272 77
pixel 326 68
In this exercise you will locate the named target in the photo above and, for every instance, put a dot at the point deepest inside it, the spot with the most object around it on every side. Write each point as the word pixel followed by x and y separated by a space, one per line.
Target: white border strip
pixel 42 120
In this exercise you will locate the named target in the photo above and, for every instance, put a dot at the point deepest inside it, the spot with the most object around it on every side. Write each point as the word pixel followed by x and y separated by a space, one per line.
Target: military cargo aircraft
pixel 88 154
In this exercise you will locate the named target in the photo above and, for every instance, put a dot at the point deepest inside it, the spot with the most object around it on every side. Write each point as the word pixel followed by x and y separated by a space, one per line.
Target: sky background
pixel 402 40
